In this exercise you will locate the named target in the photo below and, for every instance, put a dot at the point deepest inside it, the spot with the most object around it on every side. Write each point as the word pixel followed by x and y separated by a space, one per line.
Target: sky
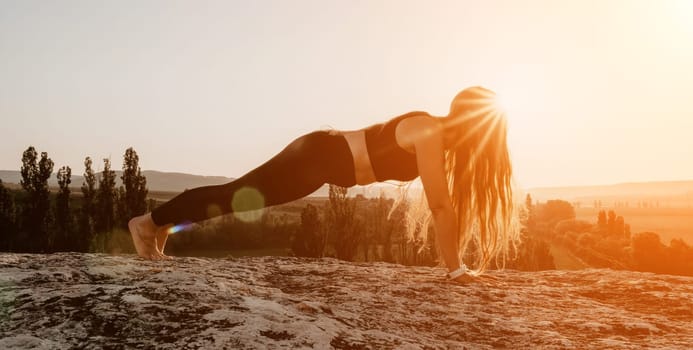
pixel 598 92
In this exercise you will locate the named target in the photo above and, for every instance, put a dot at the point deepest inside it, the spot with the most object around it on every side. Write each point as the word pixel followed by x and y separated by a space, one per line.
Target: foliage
pixel 350 228
pixel 8 223
pixel 341 220
pixel 88 209
pixel 555 211
pixel 105 199
pixel 649 252
pixel 376 228
pixel 63 216
pixel 571 225
pixel 121 209
pixel 117 241
pixel 680 257
pixel 533 254
pixel 310 240
pixel 609 243
pixel 225 233
pixel 36 214
pixel 133 193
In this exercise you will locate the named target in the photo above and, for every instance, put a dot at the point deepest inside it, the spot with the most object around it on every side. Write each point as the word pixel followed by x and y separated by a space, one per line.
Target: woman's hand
pixel 469 278
pixel 465 279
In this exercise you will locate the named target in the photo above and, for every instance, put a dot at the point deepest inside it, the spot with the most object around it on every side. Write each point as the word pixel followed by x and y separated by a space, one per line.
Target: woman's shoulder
pixel 415 127
pixel 418 121
pixel 412 114
pixel 393 122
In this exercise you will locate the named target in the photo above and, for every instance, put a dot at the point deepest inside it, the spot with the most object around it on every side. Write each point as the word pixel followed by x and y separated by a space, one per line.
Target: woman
pixel 462 160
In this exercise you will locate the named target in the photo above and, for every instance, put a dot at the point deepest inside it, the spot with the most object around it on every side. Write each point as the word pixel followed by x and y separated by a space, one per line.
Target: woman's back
pixel 389 160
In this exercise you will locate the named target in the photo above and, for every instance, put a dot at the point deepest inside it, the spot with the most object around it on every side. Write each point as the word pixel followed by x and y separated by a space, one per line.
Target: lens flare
pixel 213 210
pixel 248 204
pixel 180 227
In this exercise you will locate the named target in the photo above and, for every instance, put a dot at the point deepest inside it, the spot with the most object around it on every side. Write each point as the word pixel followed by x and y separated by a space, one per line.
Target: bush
pixel 586 240
pixel 554 211
pixel 117 241
pixel 309 239
pixel 573 225
pixel 533 254
pixel 649 252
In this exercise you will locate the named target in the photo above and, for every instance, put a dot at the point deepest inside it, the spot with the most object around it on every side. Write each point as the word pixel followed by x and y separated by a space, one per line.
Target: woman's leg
pixel 300 169
pixel 297 171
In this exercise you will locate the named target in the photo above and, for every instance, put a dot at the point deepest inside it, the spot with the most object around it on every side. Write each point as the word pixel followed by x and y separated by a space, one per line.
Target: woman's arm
pixel 446 236
pixel 426 134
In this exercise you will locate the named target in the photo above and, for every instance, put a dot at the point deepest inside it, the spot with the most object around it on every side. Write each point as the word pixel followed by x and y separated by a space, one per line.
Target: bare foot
pixel 161 237
pixel 143 231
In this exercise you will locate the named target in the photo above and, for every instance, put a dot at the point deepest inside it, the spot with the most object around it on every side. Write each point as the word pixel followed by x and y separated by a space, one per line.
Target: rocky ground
pixel 104 301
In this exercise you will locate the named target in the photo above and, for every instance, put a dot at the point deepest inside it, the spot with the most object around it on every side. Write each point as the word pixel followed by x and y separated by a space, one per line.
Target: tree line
pixel 609 242
pixel 38 221
pixel 363 229
pixel 343 227
pixel 347 228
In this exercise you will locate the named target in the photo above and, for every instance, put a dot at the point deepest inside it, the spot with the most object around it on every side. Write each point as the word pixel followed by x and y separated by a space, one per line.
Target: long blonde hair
pixel 479 175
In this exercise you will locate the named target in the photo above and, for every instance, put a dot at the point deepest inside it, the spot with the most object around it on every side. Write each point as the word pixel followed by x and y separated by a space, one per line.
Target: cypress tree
pixel 88 211
pixel 135 187
pixel 8 228
pixel 63 216
pixel 105 199
pixel 36 213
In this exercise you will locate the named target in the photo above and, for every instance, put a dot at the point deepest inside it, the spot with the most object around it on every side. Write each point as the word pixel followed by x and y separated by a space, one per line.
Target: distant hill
pixel 178 182
pixel 156 180
pixel 170 182
pixel 642 190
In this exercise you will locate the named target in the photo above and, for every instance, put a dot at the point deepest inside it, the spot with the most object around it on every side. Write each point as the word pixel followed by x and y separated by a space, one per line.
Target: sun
pixel 501 104
pixel 510 103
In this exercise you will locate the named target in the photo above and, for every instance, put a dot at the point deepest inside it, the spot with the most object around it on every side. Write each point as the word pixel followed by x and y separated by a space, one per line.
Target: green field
pixel 669 223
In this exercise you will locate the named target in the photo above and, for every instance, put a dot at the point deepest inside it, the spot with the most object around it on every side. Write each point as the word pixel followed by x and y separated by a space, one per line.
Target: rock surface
pixel 93 301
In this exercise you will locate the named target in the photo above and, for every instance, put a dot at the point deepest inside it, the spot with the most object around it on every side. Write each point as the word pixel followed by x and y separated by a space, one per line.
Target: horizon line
pixel 535 187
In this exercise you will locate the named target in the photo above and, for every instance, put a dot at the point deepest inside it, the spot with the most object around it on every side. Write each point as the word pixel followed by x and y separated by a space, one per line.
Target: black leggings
pixel 306 164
